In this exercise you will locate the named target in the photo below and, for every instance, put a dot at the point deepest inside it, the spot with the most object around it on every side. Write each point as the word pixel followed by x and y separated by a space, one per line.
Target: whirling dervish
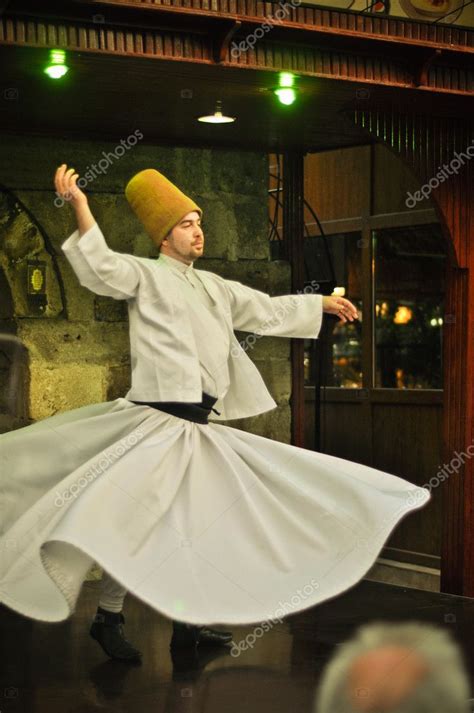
pixel 206 523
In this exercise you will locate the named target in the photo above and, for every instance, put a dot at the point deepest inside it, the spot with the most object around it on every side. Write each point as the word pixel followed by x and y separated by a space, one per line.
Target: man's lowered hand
pixel 341 307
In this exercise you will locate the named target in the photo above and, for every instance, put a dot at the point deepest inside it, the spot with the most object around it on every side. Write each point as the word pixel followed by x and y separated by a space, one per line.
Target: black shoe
pixel 188 635
pixel 184 635
pixel 211 637
pixel 107 630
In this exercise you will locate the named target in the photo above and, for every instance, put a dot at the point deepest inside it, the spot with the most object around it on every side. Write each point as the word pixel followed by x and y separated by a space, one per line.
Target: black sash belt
pixel 197 412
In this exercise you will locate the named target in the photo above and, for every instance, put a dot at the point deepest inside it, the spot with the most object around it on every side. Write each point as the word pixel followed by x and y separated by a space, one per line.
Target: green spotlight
pixel 286 95
pixel 56 71
pixel 57 67
pixel 286 79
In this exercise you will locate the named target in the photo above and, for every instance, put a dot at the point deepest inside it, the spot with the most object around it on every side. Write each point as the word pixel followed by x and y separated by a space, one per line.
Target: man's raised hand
pixel 341 307
pixel 65 182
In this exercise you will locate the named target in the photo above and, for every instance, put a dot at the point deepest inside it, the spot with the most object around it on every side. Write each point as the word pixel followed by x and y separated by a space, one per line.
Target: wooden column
pixel 456 203
pixel 429 144
pixel 293 236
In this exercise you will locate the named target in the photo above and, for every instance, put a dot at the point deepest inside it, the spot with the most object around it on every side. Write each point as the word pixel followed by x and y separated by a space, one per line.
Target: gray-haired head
pixel 394 667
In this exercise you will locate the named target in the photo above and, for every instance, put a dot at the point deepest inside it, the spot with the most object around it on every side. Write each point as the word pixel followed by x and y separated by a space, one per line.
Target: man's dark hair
pixel 165 238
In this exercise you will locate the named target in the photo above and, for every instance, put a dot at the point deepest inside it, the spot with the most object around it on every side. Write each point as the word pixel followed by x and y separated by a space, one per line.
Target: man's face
pixel 186 240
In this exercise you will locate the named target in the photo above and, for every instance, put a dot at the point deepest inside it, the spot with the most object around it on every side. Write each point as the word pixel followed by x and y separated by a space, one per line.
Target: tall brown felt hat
pixel 157 202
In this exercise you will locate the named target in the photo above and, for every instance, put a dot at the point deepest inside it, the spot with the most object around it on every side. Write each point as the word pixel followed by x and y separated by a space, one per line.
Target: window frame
pixel 365 225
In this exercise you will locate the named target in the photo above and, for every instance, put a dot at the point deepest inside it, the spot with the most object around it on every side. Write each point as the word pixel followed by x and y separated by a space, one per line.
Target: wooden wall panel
pixel 407 442
pixel 337 183
pixel 343 429
pixel 403 439
pixel 393 182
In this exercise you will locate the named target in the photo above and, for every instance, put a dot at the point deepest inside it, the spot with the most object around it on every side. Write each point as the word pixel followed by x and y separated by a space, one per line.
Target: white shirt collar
pixel 177 264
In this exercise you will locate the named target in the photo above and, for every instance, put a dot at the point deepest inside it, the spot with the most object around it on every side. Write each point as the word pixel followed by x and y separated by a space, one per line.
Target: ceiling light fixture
pixel 286 79
pixel 218 117
pixel 286 91
pixel 57 67
pixel 285 96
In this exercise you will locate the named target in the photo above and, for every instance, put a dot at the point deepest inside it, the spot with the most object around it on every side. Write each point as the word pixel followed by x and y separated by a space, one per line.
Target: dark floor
pixel 49 668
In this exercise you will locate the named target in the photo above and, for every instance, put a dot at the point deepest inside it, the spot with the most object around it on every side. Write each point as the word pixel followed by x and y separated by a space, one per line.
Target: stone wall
pixel 77 345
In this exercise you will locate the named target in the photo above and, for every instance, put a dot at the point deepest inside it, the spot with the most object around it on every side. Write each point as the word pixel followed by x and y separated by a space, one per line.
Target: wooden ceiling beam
pixel 222 38
pixel 352 31
pixel 413 56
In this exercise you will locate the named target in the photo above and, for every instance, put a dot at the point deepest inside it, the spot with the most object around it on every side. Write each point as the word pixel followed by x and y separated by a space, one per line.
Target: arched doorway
pixel 439 150
pixel 426 144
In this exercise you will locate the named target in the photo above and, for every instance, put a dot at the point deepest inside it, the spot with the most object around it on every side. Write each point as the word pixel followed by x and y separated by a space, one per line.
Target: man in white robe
pixel 184 355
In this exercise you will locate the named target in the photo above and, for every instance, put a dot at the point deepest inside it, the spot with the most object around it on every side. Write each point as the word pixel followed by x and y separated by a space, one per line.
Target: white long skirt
pixel 205 523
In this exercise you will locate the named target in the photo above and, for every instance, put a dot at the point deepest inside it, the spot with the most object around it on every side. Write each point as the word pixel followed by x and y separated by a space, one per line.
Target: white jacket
pixel 164 362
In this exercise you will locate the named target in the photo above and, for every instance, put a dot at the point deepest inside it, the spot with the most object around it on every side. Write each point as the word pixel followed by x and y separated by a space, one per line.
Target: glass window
pixel 409 281
pixel 341 353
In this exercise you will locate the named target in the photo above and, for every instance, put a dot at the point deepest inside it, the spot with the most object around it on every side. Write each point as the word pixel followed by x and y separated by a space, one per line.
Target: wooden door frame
pixel 436 140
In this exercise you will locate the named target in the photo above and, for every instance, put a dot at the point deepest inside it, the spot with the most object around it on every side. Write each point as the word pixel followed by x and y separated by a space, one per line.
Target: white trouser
pixel 112 594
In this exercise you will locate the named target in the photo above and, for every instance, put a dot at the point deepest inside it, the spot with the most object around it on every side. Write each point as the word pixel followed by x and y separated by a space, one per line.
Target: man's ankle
pixel 103 616
pixel 101 610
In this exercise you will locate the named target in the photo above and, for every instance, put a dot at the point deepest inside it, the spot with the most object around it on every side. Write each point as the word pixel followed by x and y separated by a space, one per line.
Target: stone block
pixel 117 382
pixel 269 347
pixel 67 342
pixel 27 160
pixel 219 227
pixel 106 309
pixel 251 219
pixel 276 374
pixel 238 173
pixel 54 388
pixel 274 424
pixel 79 302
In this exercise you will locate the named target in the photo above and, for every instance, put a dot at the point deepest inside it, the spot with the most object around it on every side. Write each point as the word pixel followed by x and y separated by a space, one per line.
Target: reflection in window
pixel 346 352
pixel 341 343
pixel 409 268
